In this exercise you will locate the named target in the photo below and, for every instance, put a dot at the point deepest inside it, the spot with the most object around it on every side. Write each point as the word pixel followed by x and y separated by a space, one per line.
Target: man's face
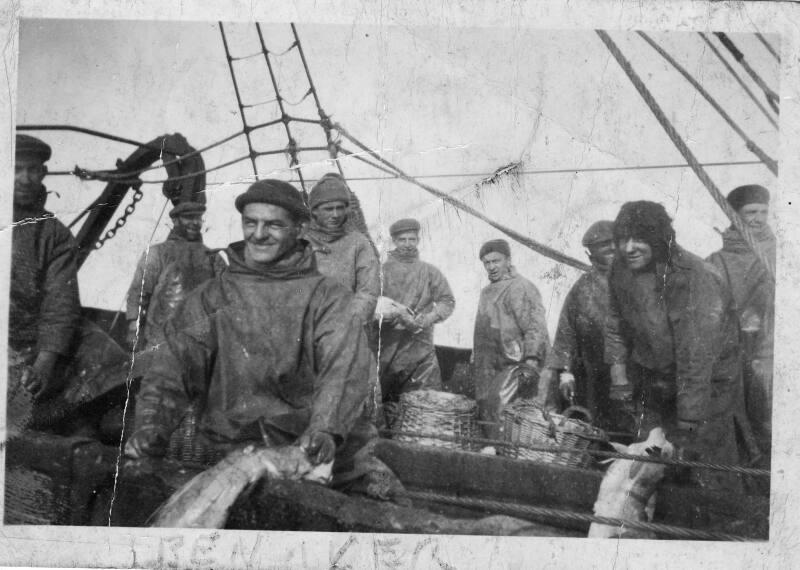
pixel 191 225
pixel 602 254
pixel 406 242
pixel 29 171
pixel 331 215
pixel 636 253
pixel 497 265
pixel 754 215
pixel 269 232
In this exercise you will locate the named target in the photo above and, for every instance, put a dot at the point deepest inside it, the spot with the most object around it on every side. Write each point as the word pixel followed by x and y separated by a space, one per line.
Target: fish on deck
pixel 628 489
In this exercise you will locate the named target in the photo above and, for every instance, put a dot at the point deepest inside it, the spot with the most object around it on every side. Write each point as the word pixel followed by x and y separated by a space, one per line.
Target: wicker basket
pixel 440 413
pixel 527 423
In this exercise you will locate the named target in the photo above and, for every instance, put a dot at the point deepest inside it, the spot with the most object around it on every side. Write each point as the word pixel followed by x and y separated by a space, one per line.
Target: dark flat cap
pixel 277 193
pixel 404 225
pixel 598 232
pixel 495 245
pixel 749 194
pixel 31 146
pixel 330 188
pixel 187 209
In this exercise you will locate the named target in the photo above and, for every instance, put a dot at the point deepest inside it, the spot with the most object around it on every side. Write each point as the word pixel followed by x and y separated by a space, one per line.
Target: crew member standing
pixel 510 341
pixel 675 315
pixel 423 296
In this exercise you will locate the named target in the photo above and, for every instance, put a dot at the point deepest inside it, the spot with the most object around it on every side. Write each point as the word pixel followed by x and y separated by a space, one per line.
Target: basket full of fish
pixel 526 423
pixel 452 416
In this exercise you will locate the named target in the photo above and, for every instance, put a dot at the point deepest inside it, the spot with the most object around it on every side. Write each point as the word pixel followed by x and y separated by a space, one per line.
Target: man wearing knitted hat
pixel 672 341
pixel 346 256
pixel 754 292
pixel 270 347
pixel 577 361
pixel 420 297
pixel 510 341
pixel 166 272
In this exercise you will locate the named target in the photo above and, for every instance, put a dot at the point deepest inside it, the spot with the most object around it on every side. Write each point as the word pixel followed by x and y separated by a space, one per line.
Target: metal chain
pixel 122 220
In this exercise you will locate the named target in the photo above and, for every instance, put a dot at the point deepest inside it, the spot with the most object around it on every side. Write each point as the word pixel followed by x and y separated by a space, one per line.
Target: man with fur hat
pixel 346 256
pixel 269 346
pixel 754 293
pixel 166 272
pixel 45 312
pixel 510 340
pixel 420 297
pixel 576 364
pixel 672 340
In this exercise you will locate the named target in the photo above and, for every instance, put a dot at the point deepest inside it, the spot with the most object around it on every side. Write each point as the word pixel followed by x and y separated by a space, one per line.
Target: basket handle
pixel 569 411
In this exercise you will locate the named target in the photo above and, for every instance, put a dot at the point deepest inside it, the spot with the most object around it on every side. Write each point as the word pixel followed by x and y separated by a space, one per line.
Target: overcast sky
pixel 447 104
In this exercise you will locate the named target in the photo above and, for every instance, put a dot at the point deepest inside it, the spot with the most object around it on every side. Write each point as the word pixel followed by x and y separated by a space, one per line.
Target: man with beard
pixel 754 293
pixel 421 298
pixel 346 256
pixel 672 341
pixel 510 341
pixel 45 311
pixel 270 348
pixel 166 272
pixel 577 358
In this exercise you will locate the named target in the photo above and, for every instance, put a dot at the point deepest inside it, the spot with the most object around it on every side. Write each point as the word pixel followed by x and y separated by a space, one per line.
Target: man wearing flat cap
pixel 420 297
pixel 269 348
pixel 346 256
pixel 576 363
pixel 166 272
pixel 754 293
pixel 44 315
pixel 510 341
pixel 672 341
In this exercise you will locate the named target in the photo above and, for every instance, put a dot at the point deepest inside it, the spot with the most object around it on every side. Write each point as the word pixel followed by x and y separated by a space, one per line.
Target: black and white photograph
pixel 376 279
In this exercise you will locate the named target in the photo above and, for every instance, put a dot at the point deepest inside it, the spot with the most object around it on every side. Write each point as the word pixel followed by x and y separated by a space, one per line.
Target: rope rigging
pixel 749 143
pixel 772 97
pixel 769 47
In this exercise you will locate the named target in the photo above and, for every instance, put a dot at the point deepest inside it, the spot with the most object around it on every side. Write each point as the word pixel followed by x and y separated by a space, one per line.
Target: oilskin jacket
pixel 351 260
pixel 510 327
pixel 580 340
pixel 163 276
pixel 45 306
pixel 278 344
pixel 685 328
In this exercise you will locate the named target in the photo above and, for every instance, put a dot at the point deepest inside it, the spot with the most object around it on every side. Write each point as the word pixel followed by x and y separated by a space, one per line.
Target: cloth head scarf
pixel 495 245
pixel 598 232
pixel 749 194
pixel 277 193
pixel 648 222
pixel 187 209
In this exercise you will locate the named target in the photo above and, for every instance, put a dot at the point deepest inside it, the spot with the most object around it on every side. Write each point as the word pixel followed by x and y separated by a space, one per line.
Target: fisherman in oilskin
pixel 672 341
pixel 166 272
pixel 407 354
pixel 510 341
pixel 346 256
pixel 576 364
pixel 269 341
pixel 754 293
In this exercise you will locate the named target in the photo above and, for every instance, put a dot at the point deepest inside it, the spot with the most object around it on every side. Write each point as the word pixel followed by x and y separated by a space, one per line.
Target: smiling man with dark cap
pixel 672 340
pixel 346 256
pixel 577 361
pixel 510 340
pixel 754 292
pixel 422 298
pixel 166 272
pixel 270 344
pixel 44 315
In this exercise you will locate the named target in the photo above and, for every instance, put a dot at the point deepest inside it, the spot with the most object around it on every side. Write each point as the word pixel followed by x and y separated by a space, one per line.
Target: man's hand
pixel 320 447
pixel 422 322
pixel 566 385
pixel 620 390
pixel 146 441
pixel 40 378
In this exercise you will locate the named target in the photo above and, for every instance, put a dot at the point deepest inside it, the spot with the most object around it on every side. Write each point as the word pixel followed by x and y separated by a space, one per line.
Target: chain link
pixel 122 220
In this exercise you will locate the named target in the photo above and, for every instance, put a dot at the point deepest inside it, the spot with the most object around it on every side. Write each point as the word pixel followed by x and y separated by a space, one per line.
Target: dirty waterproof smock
pixel 510 327
pixel 408 360
pixel 579 344
pixel 278 343
pixel 754 293
pixel 164 275
pixel 350 259
pixel 677 330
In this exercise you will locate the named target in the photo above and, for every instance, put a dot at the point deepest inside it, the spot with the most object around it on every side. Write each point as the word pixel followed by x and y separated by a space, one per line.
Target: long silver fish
pixel 204 501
